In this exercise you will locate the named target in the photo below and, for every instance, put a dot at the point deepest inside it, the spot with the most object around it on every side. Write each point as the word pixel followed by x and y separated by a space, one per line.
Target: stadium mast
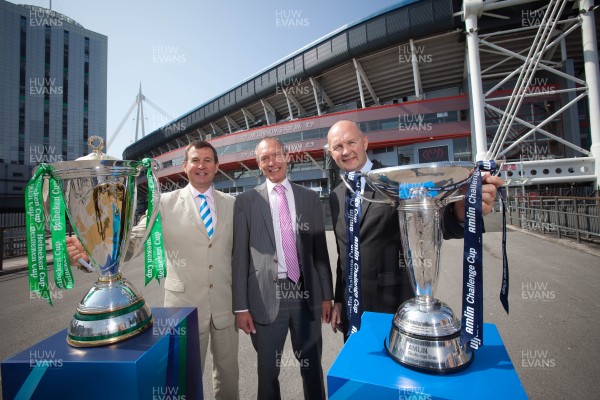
pixel 139 102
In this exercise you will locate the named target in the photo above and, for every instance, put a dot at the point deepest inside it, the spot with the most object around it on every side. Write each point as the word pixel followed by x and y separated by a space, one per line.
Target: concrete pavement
pixel 551 334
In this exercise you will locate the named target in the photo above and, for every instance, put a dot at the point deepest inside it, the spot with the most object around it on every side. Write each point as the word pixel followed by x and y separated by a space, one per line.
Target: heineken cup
pixel 425 333
pixel 98 194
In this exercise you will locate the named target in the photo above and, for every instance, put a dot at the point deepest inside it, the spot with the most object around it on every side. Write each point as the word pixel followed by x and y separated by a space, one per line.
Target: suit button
pixel 210 246
pixel 211 286
pixel 210 266
pixel 275 261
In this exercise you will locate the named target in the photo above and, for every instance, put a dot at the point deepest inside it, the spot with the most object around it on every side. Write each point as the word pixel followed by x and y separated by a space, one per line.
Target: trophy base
pixel 112 310
pixel 437 356
pixel 425 336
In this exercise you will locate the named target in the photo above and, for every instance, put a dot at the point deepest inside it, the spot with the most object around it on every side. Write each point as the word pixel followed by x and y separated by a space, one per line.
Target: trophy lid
pixel 95 164
pixel 96 143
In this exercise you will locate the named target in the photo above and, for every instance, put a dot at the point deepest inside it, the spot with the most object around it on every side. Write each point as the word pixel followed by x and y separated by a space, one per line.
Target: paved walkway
pixel 551 333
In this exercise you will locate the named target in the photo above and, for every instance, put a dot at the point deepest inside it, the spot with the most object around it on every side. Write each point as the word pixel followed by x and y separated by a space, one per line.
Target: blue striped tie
pixel 205 215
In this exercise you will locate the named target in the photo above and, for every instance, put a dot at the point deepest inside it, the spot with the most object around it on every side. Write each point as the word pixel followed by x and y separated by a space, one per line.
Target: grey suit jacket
pixel 255 254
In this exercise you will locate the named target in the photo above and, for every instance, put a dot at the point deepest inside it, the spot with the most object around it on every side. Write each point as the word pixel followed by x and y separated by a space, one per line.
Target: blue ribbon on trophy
pixel 353 290
pixel 472 301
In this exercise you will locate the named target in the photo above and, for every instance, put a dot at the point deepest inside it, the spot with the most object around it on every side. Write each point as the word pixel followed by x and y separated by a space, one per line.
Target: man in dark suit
pixel 281 273
pixel 384 280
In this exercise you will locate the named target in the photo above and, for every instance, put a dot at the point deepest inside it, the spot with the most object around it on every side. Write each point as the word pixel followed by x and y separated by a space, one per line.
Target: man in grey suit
pixel 281 273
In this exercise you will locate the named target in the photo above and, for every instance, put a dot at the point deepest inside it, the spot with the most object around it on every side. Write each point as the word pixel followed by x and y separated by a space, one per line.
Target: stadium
pixel 429 80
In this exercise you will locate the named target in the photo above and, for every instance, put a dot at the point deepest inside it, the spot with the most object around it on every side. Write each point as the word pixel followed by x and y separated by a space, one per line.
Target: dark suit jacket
pixel 384 279
pixel 255 254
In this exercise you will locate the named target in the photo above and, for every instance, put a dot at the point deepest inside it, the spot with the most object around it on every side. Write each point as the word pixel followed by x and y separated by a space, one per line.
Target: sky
pixel 185 52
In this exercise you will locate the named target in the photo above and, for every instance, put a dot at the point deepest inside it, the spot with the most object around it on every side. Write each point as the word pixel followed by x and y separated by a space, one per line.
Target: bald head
pixel 347 145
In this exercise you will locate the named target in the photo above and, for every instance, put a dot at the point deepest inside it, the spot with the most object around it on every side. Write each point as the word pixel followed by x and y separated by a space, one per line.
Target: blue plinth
pixel 162 362
pixel 363 370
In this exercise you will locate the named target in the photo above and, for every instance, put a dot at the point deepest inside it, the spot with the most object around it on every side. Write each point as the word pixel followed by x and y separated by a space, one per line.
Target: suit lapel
pixel 265 209
pixel 300 217
pixel 220 210
pixel 368 194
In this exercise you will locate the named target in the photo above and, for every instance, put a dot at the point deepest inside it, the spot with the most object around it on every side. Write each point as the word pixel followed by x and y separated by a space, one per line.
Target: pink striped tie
pixel 288 237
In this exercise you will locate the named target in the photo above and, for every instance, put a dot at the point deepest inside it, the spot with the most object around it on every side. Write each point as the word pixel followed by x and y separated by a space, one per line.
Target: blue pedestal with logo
pixel 162 362
pixel 363 370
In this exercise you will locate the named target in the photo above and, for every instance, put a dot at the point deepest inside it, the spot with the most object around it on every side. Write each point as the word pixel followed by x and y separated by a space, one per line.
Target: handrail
pixel 577 217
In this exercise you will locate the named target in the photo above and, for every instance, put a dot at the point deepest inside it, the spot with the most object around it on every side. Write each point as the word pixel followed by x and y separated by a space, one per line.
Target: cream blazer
pixel 198 268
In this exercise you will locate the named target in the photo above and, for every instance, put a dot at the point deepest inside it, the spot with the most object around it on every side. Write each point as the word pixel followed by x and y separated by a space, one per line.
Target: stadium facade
pixel 52 93
pixel 404 76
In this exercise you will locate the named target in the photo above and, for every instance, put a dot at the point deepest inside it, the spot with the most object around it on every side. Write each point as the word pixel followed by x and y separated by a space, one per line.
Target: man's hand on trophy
pixel 489 190
pixel 77 254
pixel 336 317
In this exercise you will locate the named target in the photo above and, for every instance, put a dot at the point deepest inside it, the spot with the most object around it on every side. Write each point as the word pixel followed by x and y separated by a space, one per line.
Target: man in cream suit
pixel 281 275
pixel 199 261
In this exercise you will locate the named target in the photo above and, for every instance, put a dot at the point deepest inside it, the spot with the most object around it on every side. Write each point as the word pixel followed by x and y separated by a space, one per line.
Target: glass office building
pixel 52 93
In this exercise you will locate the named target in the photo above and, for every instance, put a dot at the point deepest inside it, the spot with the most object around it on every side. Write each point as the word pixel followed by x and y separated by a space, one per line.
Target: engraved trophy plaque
pixel 99 195
pixel 425 333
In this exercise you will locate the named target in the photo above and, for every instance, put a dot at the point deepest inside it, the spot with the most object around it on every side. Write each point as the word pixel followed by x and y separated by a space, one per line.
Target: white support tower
pixel 139 103
pixel 549 32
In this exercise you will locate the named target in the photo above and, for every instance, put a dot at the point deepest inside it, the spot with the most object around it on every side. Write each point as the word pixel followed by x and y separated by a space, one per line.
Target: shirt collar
pixel 367 167
pixel 208 193
pixel 285 183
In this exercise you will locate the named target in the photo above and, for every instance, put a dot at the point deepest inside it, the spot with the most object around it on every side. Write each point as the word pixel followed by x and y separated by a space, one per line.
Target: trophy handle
pixel 155 184
pixel 451 198
pixel 389 201
pixel 155 167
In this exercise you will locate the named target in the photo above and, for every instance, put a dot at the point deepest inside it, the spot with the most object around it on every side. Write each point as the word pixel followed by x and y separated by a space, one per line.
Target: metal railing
pixel 13 242
pixel 576 217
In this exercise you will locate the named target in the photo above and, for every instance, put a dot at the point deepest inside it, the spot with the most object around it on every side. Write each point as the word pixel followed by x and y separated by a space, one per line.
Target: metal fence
pixel 14 242
pixel 576 217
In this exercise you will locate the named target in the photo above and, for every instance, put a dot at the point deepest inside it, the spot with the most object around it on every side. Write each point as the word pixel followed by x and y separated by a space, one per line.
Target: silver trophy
pixel 100 201
pixel 425 331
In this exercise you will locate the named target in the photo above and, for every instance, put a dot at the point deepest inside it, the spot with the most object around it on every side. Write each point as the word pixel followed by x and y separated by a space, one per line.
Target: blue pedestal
pixel 162 362
pixel 363 370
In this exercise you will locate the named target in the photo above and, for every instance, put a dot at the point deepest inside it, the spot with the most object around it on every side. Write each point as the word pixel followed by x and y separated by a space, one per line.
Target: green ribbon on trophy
pixel 35 224
pixel 154 251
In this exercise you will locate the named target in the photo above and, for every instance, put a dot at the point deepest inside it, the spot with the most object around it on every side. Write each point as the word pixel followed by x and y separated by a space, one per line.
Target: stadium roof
pixel 374 44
